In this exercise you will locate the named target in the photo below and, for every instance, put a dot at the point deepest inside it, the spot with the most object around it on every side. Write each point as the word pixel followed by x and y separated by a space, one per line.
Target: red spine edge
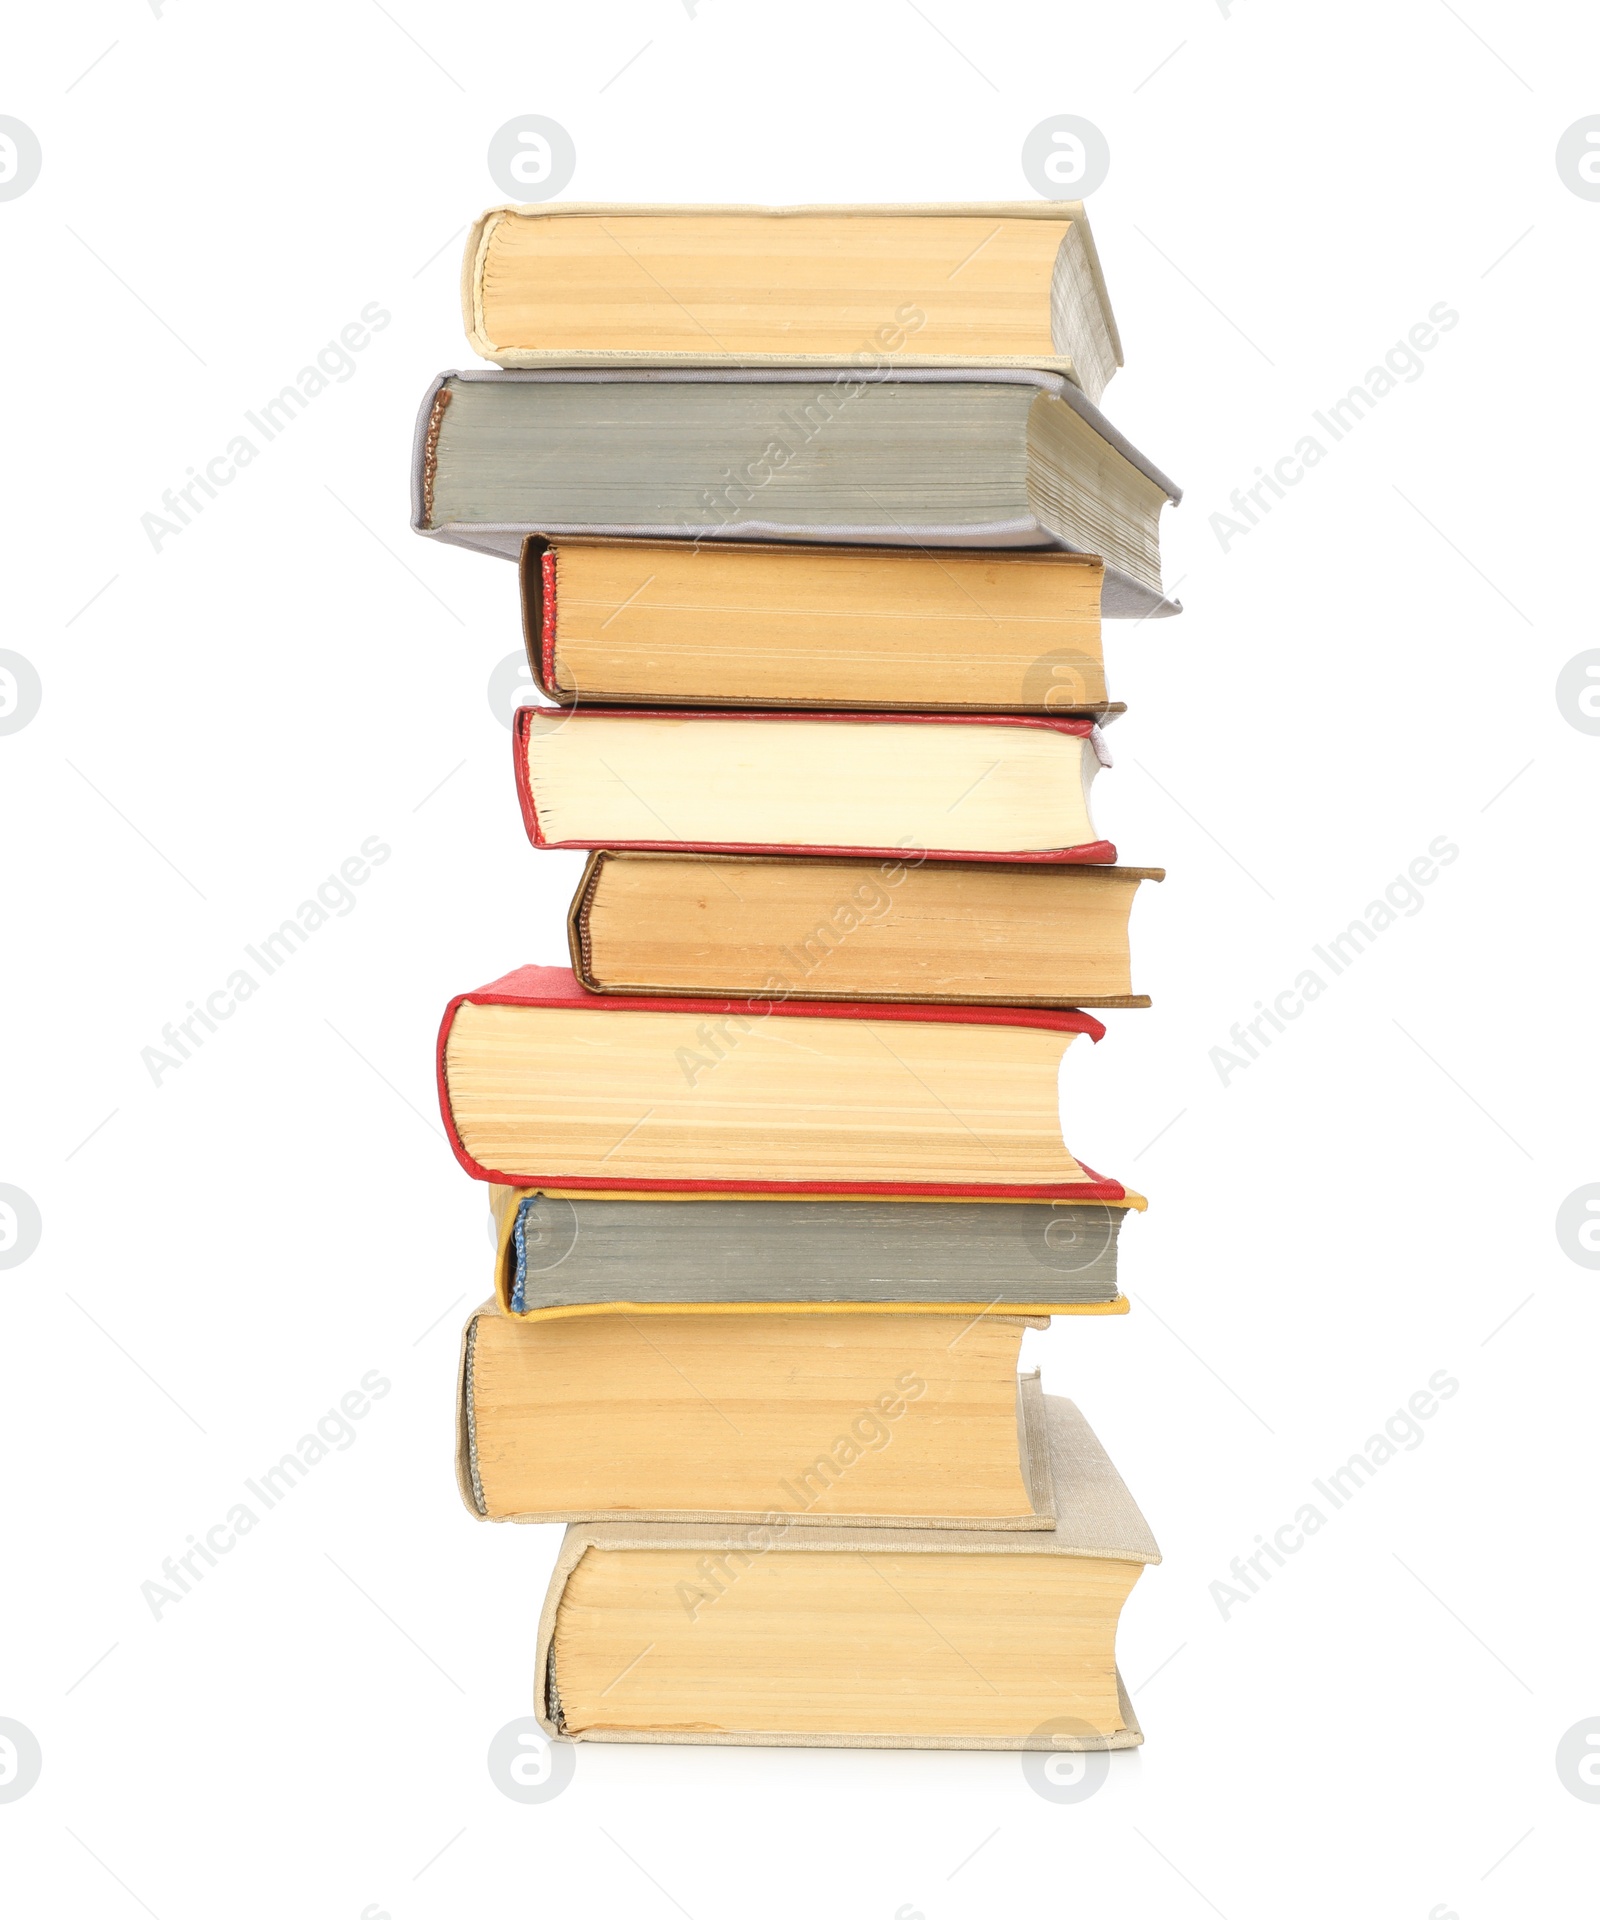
pixel 547 611
pixel 856 716
pixel 519 767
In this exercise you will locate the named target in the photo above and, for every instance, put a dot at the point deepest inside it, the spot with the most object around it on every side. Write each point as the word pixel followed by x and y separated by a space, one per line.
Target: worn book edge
pixel 541 986
pixel 539 559
pixel 1065 212
pixel 1033 1447
pixel 1084 1477
pixel 578 941
pixel 1087 853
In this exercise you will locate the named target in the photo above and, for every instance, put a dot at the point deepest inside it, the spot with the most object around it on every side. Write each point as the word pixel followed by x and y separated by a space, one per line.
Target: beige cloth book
pixel 852 1637
pixel 1004 285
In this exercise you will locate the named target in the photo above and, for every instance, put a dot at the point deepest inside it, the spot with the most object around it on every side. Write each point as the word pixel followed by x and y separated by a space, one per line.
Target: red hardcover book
pixel 543 1084
pixel 955 786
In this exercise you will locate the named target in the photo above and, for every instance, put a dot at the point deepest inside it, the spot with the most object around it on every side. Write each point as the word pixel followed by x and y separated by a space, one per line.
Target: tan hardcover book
pixel 904 1420
pixel 761 624
pixel 776 1635
pixel 1011 284
pixel 966 932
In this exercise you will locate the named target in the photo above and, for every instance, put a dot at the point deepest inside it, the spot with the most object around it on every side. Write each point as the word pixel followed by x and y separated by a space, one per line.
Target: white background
pixel 225 721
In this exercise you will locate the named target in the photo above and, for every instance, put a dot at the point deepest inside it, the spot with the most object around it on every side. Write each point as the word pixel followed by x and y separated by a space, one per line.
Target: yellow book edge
pixel 1034 1462
pixel 483 227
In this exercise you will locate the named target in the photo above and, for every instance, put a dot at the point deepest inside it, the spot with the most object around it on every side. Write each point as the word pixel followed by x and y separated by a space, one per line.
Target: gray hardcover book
pixel 1009 1255
pixel 920 457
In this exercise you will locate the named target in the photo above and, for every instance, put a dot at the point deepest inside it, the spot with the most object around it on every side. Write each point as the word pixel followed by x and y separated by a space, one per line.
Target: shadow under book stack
pixel 816 520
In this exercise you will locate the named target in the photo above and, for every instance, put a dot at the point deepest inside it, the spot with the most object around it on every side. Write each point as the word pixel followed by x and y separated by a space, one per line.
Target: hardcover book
pixel 1006 285
pixel 725 623
pixel 544 1085
pixel 559 1255
pixel 1003 787
pixel 779 1635
pixel 866 1420
pixel 907 457
pixel 833 929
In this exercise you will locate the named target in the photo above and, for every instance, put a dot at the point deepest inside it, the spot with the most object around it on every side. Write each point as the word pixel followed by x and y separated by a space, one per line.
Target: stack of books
pixel 816 521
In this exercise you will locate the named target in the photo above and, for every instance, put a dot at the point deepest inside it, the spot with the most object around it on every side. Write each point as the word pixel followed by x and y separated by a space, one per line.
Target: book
pixel 778 1635
pixel 927 457
pixel 542 1084
pixel 1014 284
pixel 722 623
pixel 561 1255
pixel 881 1420
pixel 996 787
pixel 973 932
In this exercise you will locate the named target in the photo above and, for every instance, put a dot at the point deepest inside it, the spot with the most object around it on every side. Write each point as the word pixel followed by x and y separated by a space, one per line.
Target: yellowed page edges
pixel 1035 1463
pixel 575 1543
pixel 478 241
